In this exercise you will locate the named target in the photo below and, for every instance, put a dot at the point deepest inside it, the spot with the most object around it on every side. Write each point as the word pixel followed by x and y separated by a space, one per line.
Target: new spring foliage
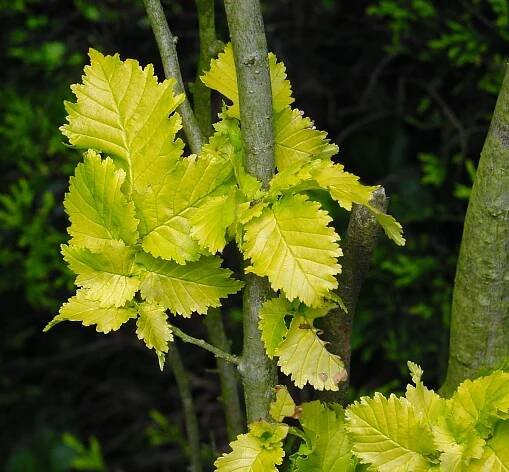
pixel 147 223
pixel 418 432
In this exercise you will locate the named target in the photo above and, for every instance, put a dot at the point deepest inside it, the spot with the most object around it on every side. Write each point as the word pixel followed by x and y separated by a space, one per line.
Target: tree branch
pixel 247 33
pixel 227 375
pixel 167 50
pixel 204 345
pixel 361 240
pixel 190 418
pixel 201 93
pixel 166 44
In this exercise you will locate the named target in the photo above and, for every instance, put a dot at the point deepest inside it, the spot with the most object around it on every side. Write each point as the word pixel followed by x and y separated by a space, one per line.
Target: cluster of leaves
pixel 146 222
pixel 420 431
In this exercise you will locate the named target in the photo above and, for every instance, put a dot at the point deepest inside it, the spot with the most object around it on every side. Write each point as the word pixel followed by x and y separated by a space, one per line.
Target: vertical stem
pixel 201 93
pixel 247 33
pixel 480 304
pixel 361 240
pixel 166 44
pixel 227 375
pixel 192 428
pixel 214 321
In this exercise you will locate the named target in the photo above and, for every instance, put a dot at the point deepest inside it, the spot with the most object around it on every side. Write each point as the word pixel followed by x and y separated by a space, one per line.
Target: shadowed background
pixel 404 87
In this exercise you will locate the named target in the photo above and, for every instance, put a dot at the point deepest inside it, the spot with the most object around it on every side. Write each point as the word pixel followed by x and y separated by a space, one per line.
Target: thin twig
pixel 190 418
pixel 201 93
pixel 166 43
pixel 204 345
pixel 192 124
pixel 228 375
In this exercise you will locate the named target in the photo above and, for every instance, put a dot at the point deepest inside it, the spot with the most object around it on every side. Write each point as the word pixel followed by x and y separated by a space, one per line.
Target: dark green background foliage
pixel 404 87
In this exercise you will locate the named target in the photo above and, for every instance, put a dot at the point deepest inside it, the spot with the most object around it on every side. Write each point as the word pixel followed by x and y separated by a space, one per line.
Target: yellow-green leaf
pixel 329 447
pixel 185 289
pixel 210 221
pixel 153 329
pixel 346 189
pixel 272 323
pixel 222 77
pixel 88 312
pixel 260 450
pixel 387 434
pixel 427 404
pixel 283 406
pixel 123 111
pixel 304 357
pixel 98 209
pixel 297 140
pixel 109 276
pixel 165 212
pixel 293 245
pixel 496 454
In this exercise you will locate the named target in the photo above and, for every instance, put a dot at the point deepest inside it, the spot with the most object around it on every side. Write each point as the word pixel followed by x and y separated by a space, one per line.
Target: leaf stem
pixel 166 44
pixel 204 345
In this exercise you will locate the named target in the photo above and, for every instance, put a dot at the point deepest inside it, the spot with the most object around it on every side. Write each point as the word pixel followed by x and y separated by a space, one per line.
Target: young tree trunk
pixel 480 307
pixel 250 48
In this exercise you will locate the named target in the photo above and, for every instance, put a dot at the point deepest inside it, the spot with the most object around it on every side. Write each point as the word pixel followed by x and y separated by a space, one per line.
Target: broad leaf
pixel 293 245
pixel 303 356
pixel 99 211
pixel 272 323
pixel 165 212
pixel 297 140
pixel 227 144
pixel 479 403
pixel 260 450
pixel 185 289
pixel 346 189
pixel 123 111
pixel 496 454
pixel 328 448
pixel 88 312
pixel 457 448
pixel 222 77
pixel 428 405
pixel 283 406
pixel 109 276
pixel 152 327
pixel 474 409
pixel 211 220
pixel 387 434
